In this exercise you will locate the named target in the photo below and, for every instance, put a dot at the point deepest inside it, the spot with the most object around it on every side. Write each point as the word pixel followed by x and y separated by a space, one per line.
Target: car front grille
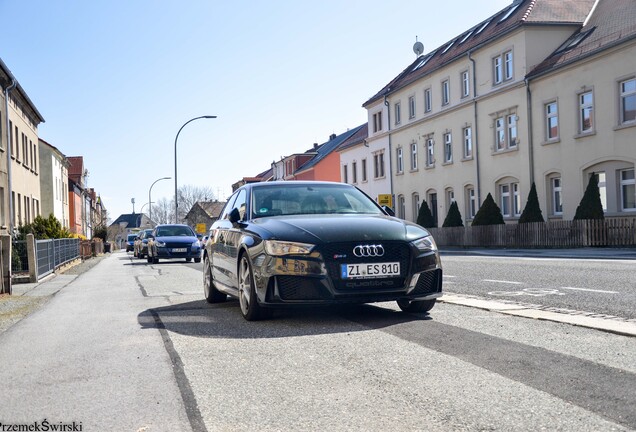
pixel 336 254
pixel 297 288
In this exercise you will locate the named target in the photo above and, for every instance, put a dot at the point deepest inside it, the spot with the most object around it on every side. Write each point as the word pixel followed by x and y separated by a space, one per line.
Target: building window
pixel 364 170
pixel 471 201
pixel 506 132
pixel 430 156
pixel 468 143
pixel 504 199
pixel 450 198
pixel 354 172
pixel 345 174
pixel 512 130
pixel 413 156
pixel 428 101
pixel 377 122
pixel 399 160
pixel 628 190
pixel 416 205
pixel 465 83
pixel 503 67
pixel 448 148
pixel 398 113
pixel 586 112
pixel 17 144
pixel 516 200
pixel 445 92
pixel 557 196
pixel 401 207
pixel 602 189
pixel 378 165
pixel 628 101
pixel 552 121
pixel 432 204
pixel 509 198
pixel 508 66
pixel 411 107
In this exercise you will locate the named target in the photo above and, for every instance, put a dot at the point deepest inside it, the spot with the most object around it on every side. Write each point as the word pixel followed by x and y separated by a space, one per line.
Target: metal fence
pixel 19 257
pixel 51 254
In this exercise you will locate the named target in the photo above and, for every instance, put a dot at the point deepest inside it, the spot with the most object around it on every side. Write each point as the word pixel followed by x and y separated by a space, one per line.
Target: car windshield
pixel 277 200
pixel 174 231
pixel 131 237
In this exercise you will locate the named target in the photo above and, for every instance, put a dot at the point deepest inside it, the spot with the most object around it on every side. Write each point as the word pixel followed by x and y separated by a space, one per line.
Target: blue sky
pixel 115 80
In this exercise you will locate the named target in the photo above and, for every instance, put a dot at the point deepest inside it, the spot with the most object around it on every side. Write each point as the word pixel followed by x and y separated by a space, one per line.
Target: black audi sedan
pixel 279 244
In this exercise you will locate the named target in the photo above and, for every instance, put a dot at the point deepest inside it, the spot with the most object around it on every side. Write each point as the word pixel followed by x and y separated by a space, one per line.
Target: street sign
pixel 201 229
pixel 385 199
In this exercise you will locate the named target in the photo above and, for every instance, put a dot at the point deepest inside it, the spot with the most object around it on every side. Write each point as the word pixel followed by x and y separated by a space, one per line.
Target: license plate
pixel 177 250
pixel 375 270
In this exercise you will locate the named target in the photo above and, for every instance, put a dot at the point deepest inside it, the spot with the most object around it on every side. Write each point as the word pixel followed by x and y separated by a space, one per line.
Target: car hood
pixel 318 229
pixel 177 239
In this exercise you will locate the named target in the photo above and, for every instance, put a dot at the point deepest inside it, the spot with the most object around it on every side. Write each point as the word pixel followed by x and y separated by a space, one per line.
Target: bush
pixel 100 232
pixel 454 217
pixel 41 228
pixel 532 210
pixel 590 206
pixel 425 217
pixel 489 213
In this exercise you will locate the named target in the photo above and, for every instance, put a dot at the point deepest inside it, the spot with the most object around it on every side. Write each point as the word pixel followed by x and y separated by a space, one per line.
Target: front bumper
pixel 311 280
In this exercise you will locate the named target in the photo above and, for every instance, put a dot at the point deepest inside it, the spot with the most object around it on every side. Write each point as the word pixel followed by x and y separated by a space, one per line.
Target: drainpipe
pixel 9 183
pixel 530 137
pixel 476 135
pixel 388 128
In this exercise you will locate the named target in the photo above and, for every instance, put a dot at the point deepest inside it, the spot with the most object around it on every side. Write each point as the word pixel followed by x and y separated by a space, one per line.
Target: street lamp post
pixel 176 203
pixel 150 199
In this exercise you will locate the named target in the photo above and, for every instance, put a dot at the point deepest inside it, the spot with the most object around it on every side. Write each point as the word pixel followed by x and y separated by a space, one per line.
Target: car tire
pixel 188 259
pixel 140 256
pixel 248 301
pixel 212 295
pixel 416 305
pixel 155 260
pixel 197 260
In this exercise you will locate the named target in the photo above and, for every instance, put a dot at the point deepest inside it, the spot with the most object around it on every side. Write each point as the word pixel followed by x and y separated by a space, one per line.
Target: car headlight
pixel 278 248
pixel 160 243
pixel 425 244
pixel 196 244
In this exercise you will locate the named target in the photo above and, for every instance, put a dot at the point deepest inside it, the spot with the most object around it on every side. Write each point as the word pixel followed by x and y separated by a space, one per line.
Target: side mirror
pixel 388 210
pixel 235 216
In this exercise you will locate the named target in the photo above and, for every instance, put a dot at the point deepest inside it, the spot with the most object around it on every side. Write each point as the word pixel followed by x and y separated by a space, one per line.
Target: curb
pixel 619 327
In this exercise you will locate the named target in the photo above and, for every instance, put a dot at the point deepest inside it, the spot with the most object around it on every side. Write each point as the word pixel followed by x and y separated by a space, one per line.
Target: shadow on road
pixel 224 320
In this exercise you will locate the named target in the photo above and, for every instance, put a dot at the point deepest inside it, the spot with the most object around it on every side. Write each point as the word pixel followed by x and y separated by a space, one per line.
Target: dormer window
pixel 510 11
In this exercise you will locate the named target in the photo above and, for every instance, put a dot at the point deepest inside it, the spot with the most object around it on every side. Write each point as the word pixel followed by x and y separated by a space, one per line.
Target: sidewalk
pixel 29 297
pixel 575 253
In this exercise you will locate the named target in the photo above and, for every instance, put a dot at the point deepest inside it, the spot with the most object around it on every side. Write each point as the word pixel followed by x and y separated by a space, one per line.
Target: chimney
pixel 332 136
pixel 315 146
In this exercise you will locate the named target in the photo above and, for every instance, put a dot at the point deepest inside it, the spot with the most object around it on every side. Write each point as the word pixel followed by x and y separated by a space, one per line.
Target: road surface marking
pixel 501 281
pixel 590 290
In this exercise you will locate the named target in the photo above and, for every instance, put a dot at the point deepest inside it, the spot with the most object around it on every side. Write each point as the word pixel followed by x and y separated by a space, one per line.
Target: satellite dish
pixel 418 48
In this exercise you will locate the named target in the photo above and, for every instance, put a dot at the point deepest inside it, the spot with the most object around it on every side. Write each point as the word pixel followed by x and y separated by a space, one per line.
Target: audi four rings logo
pixel 365 251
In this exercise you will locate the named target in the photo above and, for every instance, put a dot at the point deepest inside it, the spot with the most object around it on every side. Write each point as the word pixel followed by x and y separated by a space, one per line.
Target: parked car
pixel 142 243
pixel 173 241
pixel 130 242
pixel 309 243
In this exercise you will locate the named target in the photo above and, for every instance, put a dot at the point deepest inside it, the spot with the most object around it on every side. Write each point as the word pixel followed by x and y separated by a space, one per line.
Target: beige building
pixel 469 118
pixel 19 156
pixel 54 183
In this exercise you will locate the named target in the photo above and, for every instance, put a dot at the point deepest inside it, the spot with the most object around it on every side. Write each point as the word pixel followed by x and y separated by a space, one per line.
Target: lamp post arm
pixel 176 201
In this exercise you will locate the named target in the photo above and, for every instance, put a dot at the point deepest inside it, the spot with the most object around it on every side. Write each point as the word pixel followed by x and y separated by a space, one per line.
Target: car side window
pixel 225 214
pixel 241 203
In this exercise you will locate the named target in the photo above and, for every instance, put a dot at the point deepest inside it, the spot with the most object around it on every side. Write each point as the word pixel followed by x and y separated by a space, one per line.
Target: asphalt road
pixel 592 285
pixel 129 346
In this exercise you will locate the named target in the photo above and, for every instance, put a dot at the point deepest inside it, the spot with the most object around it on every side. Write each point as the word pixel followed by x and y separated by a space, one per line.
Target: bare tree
pixel 189 195
pixel 163 211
